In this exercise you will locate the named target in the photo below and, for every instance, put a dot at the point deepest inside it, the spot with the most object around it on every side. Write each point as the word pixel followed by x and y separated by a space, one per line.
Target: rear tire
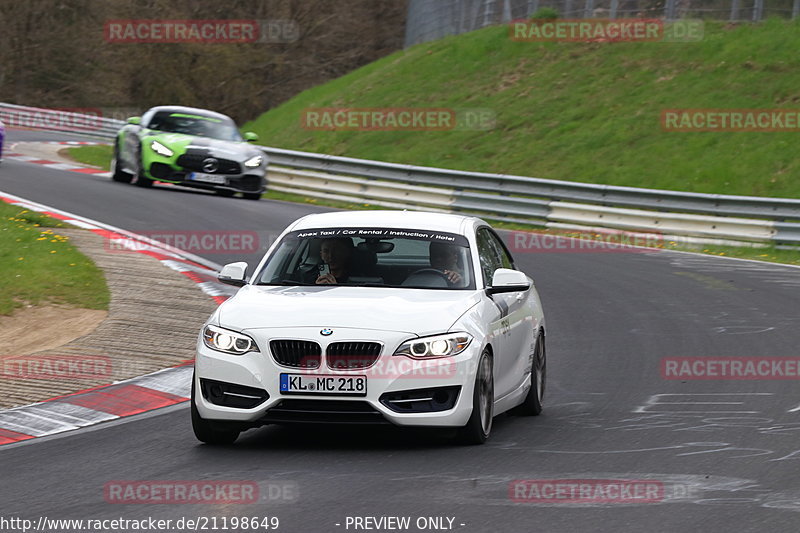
pixel 532 405
pixel 209 431
pixel 479 425
pixel 117 174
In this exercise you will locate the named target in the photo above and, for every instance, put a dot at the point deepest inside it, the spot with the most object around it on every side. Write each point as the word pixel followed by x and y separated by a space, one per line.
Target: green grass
pixel 769 254
pixel 94 155
pixel 302 199
pixel 38 266
pixel 586 112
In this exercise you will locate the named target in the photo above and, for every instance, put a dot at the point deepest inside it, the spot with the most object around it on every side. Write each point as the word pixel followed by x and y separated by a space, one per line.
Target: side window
pixel 146 119
pixel 502 253
pixel 487 253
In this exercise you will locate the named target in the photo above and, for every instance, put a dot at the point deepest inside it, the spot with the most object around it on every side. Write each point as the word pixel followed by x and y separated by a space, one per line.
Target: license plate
pixel 324 384
pixel 207 178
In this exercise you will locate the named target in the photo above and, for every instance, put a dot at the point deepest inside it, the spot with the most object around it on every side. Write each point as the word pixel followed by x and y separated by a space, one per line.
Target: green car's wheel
pixel 141 180
pixel 116 173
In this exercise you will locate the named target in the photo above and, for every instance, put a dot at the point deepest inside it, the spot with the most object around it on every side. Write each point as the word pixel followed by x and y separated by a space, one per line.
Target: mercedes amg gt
pixel 189 147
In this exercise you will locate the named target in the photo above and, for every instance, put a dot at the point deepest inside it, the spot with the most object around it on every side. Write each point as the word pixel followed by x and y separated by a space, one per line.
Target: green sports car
pixel 189 147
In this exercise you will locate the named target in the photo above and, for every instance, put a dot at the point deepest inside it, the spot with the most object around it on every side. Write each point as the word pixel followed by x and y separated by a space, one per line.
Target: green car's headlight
pixel 254 162
pixel 160 149
pixel 225 340
pixel 436 346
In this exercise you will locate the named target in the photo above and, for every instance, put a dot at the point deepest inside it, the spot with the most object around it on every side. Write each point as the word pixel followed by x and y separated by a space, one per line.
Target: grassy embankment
pixel 40 267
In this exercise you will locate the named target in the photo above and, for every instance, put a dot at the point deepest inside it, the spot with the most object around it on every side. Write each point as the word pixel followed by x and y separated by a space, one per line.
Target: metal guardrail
pixel 62 120
pixel 545 202
pixel 507 185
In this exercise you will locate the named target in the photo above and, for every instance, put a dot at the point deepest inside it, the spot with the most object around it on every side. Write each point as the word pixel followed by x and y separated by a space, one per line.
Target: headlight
pixel 160 149
pixel 254 161
pixel 224 340
pixel 437 346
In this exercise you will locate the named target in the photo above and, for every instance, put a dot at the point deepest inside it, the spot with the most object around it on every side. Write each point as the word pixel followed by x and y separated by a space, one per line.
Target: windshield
pixel 374 257
pixel 198 125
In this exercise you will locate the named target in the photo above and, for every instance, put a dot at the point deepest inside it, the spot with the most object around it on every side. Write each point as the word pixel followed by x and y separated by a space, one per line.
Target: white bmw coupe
pixel 407 318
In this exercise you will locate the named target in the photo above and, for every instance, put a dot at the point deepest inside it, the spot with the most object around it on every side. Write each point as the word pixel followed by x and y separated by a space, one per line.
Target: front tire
pixel 479 425
pixel 251 195
pixel 532 405
pixel 209 431
pixel 117 174
pixel 141 180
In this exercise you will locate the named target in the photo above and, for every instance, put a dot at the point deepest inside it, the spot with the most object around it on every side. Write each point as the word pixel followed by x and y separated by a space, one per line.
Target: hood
pixel 414 311
pixel 180 143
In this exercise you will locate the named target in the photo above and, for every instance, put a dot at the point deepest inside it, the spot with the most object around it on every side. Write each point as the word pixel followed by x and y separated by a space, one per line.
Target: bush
pixel 546 13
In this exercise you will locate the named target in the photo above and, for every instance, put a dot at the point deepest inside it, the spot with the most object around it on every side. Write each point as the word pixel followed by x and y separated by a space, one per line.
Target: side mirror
pixel 507 280
pixel 134 120
pixel 250 137
pixel 234 274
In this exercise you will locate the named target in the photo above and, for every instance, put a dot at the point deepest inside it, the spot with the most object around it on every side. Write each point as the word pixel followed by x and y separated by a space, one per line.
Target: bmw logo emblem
pixel 326 332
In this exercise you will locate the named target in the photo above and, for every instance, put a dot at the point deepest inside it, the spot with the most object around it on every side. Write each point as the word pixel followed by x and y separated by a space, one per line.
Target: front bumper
pixel 449 381
pixel 252 182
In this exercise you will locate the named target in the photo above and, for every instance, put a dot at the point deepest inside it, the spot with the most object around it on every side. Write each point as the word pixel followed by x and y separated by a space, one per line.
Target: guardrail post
pixel 588 9
pixel 795 9
pixel 506 11
pixel 758 9
pixel 669 10
pixel 533 7
pixel 613 11
pixel 487 12
pixel 734 10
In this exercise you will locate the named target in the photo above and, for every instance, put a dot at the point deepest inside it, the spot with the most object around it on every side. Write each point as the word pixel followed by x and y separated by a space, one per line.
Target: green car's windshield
pixel 198 125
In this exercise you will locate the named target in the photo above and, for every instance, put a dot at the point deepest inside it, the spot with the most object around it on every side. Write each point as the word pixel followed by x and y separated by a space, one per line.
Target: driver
pixel 444 257
pixel 337 254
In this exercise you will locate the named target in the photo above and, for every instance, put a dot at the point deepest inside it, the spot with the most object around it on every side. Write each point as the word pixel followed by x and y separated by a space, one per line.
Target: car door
pixel 497 323
pixel 516 323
